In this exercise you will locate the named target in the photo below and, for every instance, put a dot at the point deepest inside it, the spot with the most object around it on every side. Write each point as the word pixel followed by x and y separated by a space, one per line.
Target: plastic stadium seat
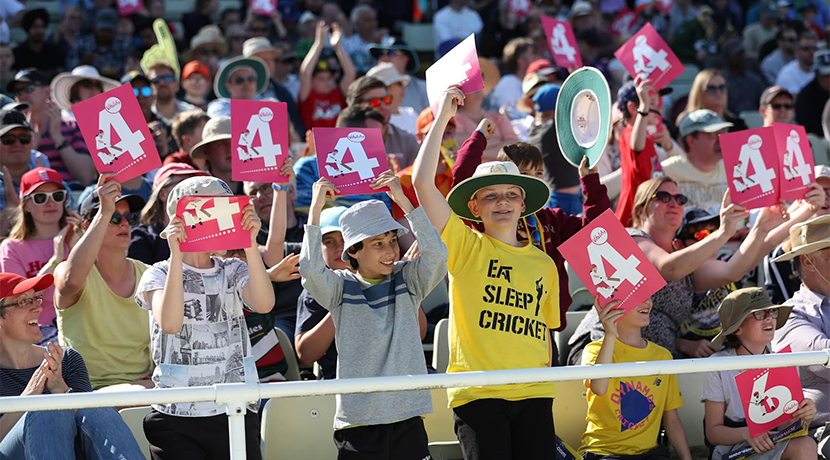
pixel 573 318
pixel 299 428
pixel 437 297
pixel 692 412
pixel 580 299
pixel 752 118
pixel 293 372
pixel 443 444
pixel 570 410
pixel 134 418
pixel 441 346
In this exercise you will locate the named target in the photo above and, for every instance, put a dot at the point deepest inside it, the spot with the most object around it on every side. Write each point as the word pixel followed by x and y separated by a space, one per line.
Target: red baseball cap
pixel 541 66
pixel 195 67
pixel 13 284
pixel 175 169
pixel 37 177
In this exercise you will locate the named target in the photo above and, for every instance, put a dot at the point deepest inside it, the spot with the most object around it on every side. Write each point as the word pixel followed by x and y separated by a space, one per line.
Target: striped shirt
pixel 72 135
pixel 73 369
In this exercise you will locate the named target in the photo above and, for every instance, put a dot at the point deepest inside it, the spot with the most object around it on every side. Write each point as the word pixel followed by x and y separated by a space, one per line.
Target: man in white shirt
pixel 784 54
pixel 455 22
pixel 517 55
pixel 365 22
pixel 795 75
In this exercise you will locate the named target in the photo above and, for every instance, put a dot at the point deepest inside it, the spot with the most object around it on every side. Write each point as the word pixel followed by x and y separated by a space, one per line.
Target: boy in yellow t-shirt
pixel 504 296
pixel 624 414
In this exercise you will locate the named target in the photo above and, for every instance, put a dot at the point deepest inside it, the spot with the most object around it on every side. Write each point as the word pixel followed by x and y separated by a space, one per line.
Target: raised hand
pixel 487 127
pixel 452 98
pixel 389 179
pixel 644 91
pixel 731 215
pixel 175 234
pixel 52 371
pixel 322 188
pixel 108 190
pixel 584 170
pixel 320 32
pixel 336 34
pixel 12 200
pixel 286 270
pixel 815 197
pixel 287 169
pixel 251 221
pixel 608 316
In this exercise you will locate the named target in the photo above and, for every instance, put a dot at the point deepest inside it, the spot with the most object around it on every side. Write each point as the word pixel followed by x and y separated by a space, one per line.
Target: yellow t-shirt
pixel 503 300
pixel 111 332
pixel 626 419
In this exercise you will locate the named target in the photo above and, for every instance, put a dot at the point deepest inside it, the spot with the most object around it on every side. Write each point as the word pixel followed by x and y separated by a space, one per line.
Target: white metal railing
pixel 236 395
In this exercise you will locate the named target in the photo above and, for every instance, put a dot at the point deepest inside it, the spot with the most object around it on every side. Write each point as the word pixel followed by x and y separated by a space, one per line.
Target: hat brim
pixel 135 202
pixel 537 192
pixel 8 128
pixel 392 225
pixel 16 106
pixel 808 248
pixel 198 150
pixel 221 81
pixel 411 66
pixel 783 314
pixel 592 81
pixel 62 86
pixel 38 283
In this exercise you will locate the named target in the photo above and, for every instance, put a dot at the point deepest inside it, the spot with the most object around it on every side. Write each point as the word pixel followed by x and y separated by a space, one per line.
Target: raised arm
pixel 426 165
pixel 319 280
pixel 258 293
pixel 168 303
pixel 310 61
pixel 608 316
pixel 800 211
pixel 346 64
pixel 638 134
pixel 469 155
pixel 274 246
pixel 596 202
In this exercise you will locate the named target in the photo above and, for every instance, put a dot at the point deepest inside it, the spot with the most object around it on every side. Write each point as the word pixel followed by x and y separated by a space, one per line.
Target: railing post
pixel 235 397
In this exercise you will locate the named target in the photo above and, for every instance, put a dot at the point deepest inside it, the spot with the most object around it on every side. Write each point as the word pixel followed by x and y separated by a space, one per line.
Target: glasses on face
pixel 808 48
pixel 241 80
pixel 782 106
pixel 9 139
pixel 163 79
pixel 39 198
pixel 760 315
pixel 701 234
pixel 665 197
pixel 132 218
pixel 714 89
pixel 377 101
pixel 28 89
pixel 26 302
pixel 265 190
pixel 145 91
pixel 390 53
pixel 209 51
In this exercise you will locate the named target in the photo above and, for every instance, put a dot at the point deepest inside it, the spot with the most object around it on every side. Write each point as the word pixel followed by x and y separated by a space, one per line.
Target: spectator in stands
pixel 94 289
pixel 809 103
pixel 777 105
pixel 749 320
pixel 285 72
pixel 682 11
pixel 406 61
pixel 27 369
pixel 229 17
pixel 146 244
pixel 693 38
pixel 321 97
pixel 784 53
pixel 454 23
pixel 16 137
pixel 366 32
pixel 196 84
pixel 82 83
pixel 159 130
pixel 187 132
pixel 202 15
pixel 207 47
pixel 755 35
pixel 68 31
pixel 640 406
pixel 36 51
pixel 517 56
pixel 372 92
pixel 263 26
pixel 746 85
pixel 165 84
pixel 61 141
pixel 171 291
pixel 6 64
pixel 710 91
pixel 215 149
pixel 102 50
pixel 798 73
pixel 235 37
pixel 400 116
pixel 239 78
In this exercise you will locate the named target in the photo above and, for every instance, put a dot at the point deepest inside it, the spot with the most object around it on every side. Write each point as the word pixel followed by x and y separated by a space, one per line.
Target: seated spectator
pixel 749 320
pixel 757 34
pixel 640 406
pixel 517 55
pixel 202 15
pixel 402 117
pixel 165 84
pixel 406 62
pixel 215 150
pixel 746 85
pixel 798 73
pixel 68 31
pixel 196 84
pixel 94 287
pixel 207 47
pixel 365 23
pixel 810 101
pixel 187 132
pixel 160 131
pixel 146 244
pixel 710 91
pixel 36 51
pixel 239 78
pixel 321 97
pixel 102 49
pixel 784 53
pixel 41 237
pixel 27 369
pixel 454 23
pixel 777 106
pixel 82 83
pixel 285 70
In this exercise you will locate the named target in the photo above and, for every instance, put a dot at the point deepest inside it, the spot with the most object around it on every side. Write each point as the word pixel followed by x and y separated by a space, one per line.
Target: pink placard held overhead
pixel 458 67
pixel 351 158
pixel 648 54
pixel 116 134
pixel 751 162
pixel 264 7
pixel 769 396
pixel 664 6
pixel 213 223
pixel 609 262
pixel 562 43
pixel 259 140
pixel 795 160
pixel 129 7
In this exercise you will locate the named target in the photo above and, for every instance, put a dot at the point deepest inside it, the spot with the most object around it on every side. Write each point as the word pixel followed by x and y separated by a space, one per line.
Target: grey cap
pixel 195 186
pixel 365 220
pixel 702 120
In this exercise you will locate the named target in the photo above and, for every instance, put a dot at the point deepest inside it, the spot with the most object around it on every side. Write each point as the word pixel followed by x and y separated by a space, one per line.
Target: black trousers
pixel 503 430
pixel 197 438
pixel 658 453
pixel 404 440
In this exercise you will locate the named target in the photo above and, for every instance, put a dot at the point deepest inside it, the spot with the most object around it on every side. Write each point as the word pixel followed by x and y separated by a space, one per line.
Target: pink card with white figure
pixel 116 134
pixel 664 6
pixel 213 223
pixel 648 54
pixel 751 162
pixel 610 263
pixel 769 396
pixel 623 23
pixel 351 158
pixel 562 43
pixel 259 140
pixel 129 7
pixel 458 67
pixel 795 160
pixel 264 7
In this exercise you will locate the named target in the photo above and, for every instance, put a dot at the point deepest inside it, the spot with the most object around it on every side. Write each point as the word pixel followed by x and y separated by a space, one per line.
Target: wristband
pixel 645 114
pixel 482 132
pixel 280 188
pixel 54 263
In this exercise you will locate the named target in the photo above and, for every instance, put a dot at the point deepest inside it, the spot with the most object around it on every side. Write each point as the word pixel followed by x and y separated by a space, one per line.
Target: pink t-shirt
pixel 26 258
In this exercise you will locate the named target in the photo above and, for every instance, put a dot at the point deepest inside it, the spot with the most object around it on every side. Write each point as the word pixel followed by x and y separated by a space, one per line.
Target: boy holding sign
pixel 749 320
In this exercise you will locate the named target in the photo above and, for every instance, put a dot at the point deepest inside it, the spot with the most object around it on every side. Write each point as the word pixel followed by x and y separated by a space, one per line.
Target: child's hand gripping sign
pixel 647 54
pixel 562 43
pixel 610 263
pixel 458 67
pixel 795 158
pixel 751 161
pixel 116 134
pixel 259 140
pixel 351 158
pixel 213 223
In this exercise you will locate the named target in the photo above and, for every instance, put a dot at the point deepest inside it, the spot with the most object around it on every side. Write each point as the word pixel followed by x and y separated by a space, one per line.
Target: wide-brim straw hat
pixel 806 238
pixel 63 82
pixel 216 129
pixel 737 307
pixel 258 65
pixel 536 191
pixel 207 35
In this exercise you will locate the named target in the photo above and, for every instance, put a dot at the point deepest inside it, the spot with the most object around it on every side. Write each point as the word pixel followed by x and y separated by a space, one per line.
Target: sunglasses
pixel 760 315
pixel 28 89
pixel 58 196
pixel 712 89
pixel 701 234
pixel 163 79
pixel 390 53
pixel 132 218
pixel 665 197
pixel 808 48
pixel 145 92
pixel 9 139
pixel 241 80
pixel 377 101
pixel 782 106
pixel 26 302
pixel 209 51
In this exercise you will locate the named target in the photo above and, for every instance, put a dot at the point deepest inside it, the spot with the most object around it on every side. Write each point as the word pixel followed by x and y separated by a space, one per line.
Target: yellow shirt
pixel 626 419
pixel 503 300
pixel 111 332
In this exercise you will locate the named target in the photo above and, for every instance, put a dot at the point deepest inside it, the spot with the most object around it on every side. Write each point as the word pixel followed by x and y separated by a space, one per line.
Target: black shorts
pixel 197 438
pixel 404 440
pixel 658 453
pixel 502 430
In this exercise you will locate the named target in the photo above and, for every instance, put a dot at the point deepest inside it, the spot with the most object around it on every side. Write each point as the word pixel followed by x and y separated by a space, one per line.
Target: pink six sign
pixel 259 140
pixel 562 43
pixel 458 67
pixel 795 158
pixel 648 54
pixel 213 223
pixel 751 162
pixel 351 158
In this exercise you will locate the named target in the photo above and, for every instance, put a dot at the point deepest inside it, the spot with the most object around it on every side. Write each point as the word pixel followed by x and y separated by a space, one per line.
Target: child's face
pixel 322 82
pixel 529 170
pixel 757 332
pixel 638 317
pixel 378 255
pixel 501 204
pixel 332 249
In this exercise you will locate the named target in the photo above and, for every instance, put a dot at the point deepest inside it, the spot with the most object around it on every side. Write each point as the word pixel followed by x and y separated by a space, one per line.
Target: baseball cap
pixel 12 105
pixel 175 169
pixel 330 219
pixel 11 119
pixel 701 120
pixel 771 92
pixel 822 62
pixel 737 307
pixel 92 203
pixel 34 178
pixel 541 66
pixel 545 99
pixel 195 67
pixel 628 93
pixel 30 76
pixel 13 284
pixel 580 8
pixel 695 215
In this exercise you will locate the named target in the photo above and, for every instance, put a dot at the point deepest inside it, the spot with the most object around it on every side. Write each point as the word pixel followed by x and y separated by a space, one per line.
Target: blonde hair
pixel 24 226
pixel 695 101
pixel 643 197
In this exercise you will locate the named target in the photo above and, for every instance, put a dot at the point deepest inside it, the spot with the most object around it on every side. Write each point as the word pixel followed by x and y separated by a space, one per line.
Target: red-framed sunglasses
pixel 377 101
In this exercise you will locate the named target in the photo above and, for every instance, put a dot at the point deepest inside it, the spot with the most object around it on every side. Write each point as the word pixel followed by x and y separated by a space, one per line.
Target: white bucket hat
pixel 63 82
pixel 365 220
pixel 388 74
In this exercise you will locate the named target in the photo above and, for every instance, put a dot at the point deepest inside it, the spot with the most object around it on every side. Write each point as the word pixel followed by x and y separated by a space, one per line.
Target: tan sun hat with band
pixel 806 238
pixel 737 307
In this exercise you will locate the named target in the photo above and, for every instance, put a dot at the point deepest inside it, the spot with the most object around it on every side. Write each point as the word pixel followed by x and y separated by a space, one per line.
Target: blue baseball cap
pixel 330 219
pixel 545 98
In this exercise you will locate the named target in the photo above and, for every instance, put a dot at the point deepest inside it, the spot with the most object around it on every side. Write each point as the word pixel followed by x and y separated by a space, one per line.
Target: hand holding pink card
pixel 562 43
pixel 458 67
pixel 610 263
pixel 795 158
pixel 751 161
pixel 648 54
pixel 213 223
pixel 264 7
pixel 259 140
pixel 351 158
